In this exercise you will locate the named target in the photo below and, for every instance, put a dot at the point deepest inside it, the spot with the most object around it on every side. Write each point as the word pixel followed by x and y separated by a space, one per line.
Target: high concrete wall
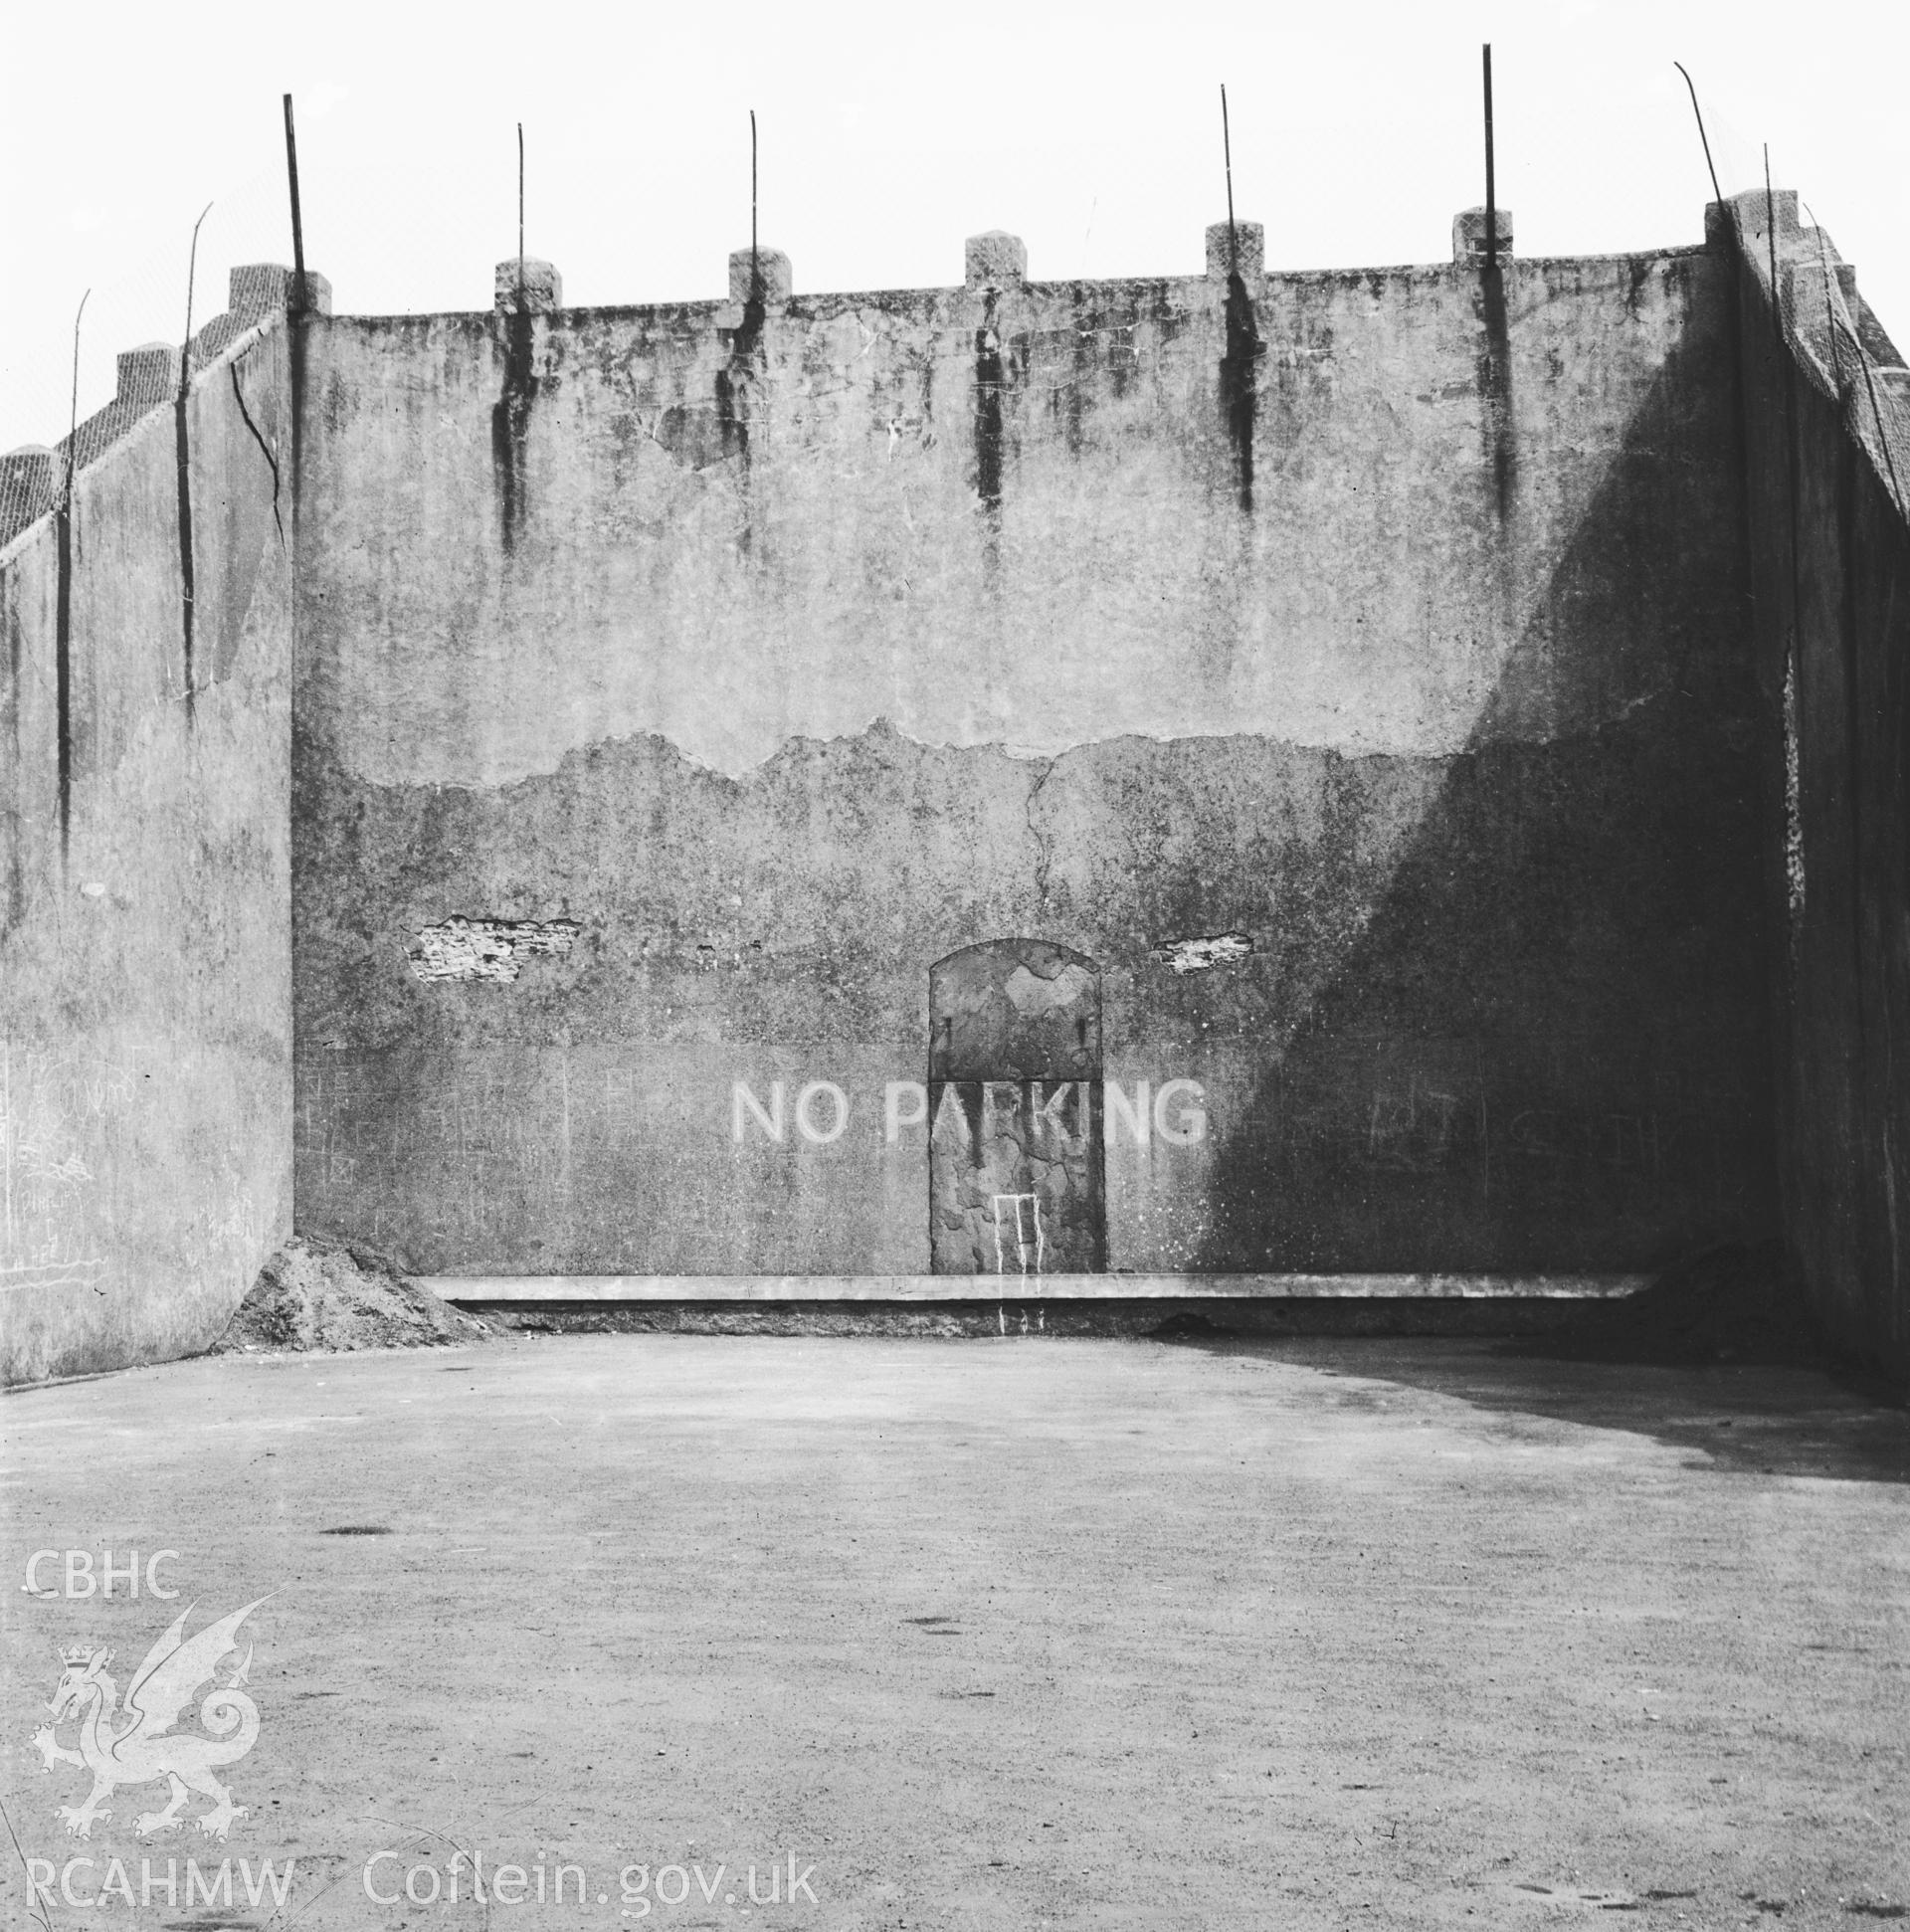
pixel 724 670
pixel 146 1089
pixel 1827 414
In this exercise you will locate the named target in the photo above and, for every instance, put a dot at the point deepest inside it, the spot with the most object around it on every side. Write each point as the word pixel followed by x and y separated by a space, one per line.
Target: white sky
pixel 890 131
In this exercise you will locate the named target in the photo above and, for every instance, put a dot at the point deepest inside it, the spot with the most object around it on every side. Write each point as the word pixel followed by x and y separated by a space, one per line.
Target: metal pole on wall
pixel 63 609
pixel 1717 193
pixel 188 579
pixel 73 428
pixel 520 214
pixel 755 267
pixel 1227 152
pixel 1491 194
pixel 192 274
pixel 298 303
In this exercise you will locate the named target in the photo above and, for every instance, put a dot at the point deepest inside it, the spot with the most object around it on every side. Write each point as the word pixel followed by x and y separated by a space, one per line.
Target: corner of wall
pixel 1826 443
pixel 145 1088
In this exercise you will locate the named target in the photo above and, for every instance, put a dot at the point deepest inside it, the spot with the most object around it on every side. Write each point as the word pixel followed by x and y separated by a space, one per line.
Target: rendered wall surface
pixel 145 1088
pixel 1827 442
pixel 723 672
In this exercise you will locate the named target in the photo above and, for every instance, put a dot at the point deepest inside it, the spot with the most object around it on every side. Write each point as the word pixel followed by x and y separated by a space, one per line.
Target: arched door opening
pixel 1016 1171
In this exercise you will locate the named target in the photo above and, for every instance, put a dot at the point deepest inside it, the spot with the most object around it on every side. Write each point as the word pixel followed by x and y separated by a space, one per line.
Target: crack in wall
pixel 1044 841
pixel 239 395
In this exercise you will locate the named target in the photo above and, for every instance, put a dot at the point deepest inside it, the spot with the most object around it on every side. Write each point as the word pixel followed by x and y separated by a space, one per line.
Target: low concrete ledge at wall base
pixel 505 1290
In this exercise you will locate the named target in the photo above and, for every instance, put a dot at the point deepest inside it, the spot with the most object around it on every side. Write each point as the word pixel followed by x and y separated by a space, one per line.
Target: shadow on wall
pixel 1500 1010
pixel 1579 914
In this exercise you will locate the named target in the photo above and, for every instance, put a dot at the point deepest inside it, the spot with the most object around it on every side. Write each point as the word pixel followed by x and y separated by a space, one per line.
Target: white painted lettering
pixel 1133 1112
pixel 1190 1124
pixel 839 1102
pixel 1048 1116
pixel 893 1118
pixel 770 1122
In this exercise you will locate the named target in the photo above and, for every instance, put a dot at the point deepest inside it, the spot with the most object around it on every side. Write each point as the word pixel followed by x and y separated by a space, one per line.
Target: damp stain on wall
pixel 1239 379
pixel 1495 389
pixel 511 421
pixel 990 380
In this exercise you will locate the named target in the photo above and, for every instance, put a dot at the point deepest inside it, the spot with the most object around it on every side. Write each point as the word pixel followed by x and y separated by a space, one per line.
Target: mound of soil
pixel 328 1295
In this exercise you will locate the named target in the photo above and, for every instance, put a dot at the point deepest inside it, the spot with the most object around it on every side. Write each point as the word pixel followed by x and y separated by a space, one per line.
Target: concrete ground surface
pixel 1025 1633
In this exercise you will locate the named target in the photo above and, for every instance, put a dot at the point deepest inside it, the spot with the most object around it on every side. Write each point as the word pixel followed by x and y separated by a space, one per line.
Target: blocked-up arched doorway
pixel 1015 1173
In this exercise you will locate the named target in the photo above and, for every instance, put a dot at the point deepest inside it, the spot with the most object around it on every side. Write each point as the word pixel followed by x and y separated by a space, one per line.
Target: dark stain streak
pixel 511 419
pixel 989 378
pixel 1639 278
pixel 1849 649
pixel 239 395
pixel 63 662
pixel 1240 374
pixel 1072 399
pixel 733 423
pixel 969 1098
pixel 1496 388
pixel 734 383
pixel 295 326
pixel 16 906
pixel 183 446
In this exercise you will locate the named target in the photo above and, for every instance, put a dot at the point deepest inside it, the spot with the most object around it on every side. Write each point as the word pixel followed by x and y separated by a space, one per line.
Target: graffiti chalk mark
pixel 1411 1130
pixel 56 1110
pixel 81 1271
pixel 1026 1236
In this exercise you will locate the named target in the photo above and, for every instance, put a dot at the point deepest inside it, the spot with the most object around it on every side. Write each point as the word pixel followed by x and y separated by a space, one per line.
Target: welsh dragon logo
pixel 133 1746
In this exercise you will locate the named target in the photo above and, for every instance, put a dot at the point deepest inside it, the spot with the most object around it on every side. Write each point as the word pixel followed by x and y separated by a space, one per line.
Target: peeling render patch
pixel 1199 955
pixel 486 948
